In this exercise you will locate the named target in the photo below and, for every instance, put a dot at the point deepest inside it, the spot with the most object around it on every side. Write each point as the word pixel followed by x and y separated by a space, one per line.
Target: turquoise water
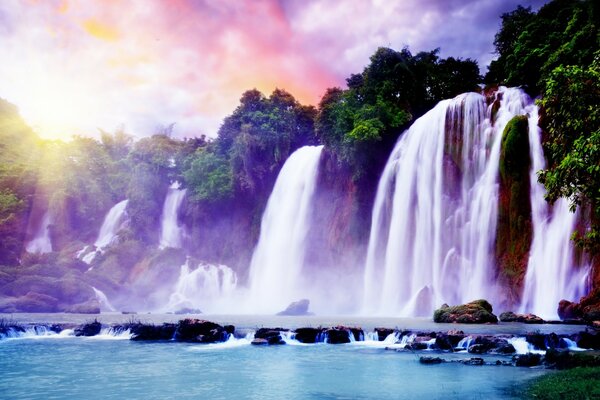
pixel 105 368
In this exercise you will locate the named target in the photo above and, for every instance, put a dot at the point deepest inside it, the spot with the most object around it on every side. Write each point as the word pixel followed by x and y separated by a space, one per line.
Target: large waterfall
pixel 434 219
pixel 276 267
pixel 550 276
pixel 41 243
pixel 171 233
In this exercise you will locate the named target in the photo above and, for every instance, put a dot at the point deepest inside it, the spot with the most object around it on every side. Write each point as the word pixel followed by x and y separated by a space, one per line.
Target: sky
pixel 74 67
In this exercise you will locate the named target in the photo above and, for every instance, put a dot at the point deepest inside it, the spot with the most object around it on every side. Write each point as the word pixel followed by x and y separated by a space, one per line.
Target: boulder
pixel 341 334
pixel 448 341
pixel 527 360
pixel 475 312
pixel 588 307
pixel 197 330
pixel 271 335
pixel 260 342
pixel 430 360
pixel 142 332
pixel 510 316
pixel 89 329
pixel 587 340
pixel 186 310
pixel 505 349
pixel 308 335
pixel 299 307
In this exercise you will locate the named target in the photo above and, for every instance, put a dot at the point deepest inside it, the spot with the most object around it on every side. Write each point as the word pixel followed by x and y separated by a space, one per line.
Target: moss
pixel 475 312
pixel 514 230
pixel 578 383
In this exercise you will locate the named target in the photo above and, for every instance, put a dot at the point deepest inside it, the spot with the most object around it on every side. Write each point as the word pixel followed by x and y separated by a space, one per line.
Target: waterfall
pixel 41 243
pixel 208 288
pixel 434 219
pixel 275 269
pixel 103 300
pixel 171 233
pixel 108 231
pixel 112 222
pixel 549 276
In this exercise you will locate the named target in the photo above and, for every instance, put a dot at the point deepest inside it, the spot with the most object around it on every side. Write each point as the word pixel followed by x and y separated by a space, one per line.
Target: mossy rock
pixel 514 156
pixel 475 312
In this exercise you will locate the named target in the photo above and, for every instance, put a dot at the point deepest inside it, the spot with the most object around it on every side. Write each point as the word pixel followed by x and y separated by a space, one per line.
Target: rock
pixel 89 307
pixel 448 341
pixel 195 330
pixel 475 312
pixel 30 302
pixel 416 346
pixel 510 316
pixel 299 307
pixel 229 329
pixel 527 360
pixel 142 332
pixel 89 329
pixel 260 342
pixel 474 361
pixel 307 335
pixel 271 335
pixel 430 360
pixel 187 310
pixel 506 349
pixel 563 359
pixel 587 340
pixel 383 333
pixel 478 349
pixel 538 340
pixel 341 334
pixel 568 310
pixel 588 307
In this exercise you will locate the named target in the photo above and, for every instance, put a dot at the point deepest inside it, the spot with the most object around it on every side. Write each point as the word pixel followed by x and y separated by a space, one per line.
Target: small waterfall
pixel 208 288
pixel 103 300
pixel 112 222
pixel 550 276
pixel 108 231
pixel 171 233
pixel 275 269
pixel 41 243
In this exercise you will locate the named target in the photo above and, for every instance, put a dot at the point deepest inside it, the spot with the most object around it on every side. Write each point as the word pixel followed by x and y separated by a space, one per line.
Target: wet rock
pixel 260 342
pixel 430 360
pixel 89 329
pixel 475 312
pixel 299 307
pixel 448 341
pixel 229 329
pixel 510 316
pixel 478 349
pixel 340 334
pixel 588 307
pixel 538 340
pixel 307 335
pixel 142 332
pixel 416 346
pixel 196 330
pixel 527 360
pixel 587 340
pixel 505 349
pixel 271 335
pixel 474 361
pixel 382 333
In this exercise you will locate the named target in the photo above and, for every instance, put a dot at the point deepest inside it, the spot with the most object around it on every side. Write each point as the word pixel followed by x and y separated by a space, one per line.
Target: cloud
pixel 75 66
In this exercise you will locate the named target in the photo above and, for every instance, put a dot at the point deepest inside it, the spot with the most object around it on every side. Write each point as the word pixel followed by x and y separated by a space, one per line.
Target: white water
pixel 209 288
pixel 522 346
pixel 231 343
pixel 171 233
pixel 103 300
pixel 113 221
pixel 276 266
pixel 41 243
pixel 550 274
pixel 465 343
pixel 432 235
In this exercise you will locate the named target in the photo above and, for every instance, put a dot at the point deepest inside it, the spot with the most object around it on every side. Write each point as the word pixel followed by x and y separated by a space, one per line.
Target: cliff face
pixel 514 231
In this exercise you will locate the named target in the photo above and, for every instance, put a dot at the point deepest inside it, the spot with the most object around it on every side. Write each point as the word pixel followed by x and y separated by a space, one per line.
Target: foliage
pixel 571 101
pixel 209 176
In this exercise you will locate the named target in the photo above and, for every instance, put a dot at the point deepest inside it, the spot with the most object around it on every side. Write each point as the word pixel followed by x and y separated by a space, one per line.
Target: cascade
pixel 434 219
pixel 549 276
pixel 209 288
pixel 41 243
pixel 171 233
pixel 275 270
pixel 108 231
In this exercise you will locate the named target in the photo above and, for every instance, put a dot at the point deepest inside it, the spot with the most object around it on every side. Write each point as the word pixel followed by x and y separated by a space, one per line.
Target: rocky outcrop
pixel 270 335
pixel 308 335
pixel 588 307
pixel 475 312
pixel 89 329
pixel 299 307
pixel 510 316
pixel 143 332
pixel 200 331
